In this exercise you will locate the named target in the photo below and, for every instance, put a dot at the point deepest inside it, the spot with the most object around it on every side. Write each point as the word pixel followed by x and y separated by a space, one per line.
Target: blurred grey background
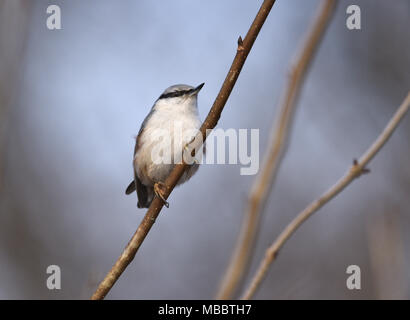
pixel 71 101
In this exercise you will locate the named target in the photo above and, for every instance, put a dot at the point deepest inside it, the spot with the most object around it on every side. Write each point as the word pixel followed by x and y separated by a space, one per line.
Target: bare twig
pixel 210 122
pixel 356 170
pixel 264 181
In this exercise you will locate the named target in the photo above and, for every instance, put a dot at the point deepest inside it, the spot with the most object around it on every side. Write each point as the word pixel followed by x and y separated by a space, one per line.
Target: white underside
pixel 181 120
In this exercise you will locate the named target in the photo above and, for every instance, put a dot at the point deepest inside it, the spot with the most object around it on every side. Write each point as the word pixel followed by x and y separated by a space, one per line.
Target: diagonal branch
pixel 210 122
pixel 263 183
pixel 355 171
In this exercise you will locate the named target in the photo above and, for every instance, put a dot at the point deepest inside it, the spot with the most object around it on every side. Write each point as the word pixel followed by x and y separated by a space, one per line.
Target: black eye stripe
pixel 175 94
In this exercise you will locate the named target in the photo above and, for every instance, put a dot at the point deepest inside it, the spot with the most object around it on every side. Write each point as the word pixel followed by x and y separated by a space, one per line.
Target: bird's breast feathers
pixel 168 131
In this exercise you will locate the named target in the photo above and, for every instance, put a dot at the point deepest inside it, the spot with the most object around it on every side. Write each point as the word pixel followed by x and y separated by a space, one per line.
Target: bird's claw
pixel 187 149
pixel 159 189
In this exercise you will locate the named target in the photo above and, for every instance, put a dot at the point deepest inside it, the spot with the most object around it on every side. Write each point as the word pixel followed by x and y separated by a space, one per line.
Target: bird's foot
pixel 159 190
pixel 187 149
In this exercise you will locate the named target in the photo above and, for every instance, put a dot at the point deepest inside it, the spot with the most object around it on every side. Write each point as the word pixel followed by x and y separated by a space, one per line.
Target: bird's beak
pixel 197 89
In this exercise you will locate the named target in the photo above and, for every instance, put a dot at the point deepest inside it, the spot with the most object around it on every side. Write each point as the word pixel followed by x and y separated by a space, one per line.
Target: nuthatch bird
pixel 177 105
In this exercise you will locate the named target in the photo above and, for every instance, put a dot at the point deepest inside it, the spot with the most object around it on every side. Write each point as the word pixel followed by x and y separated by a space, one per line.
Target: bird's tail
pixel 145 194
pixel 131 188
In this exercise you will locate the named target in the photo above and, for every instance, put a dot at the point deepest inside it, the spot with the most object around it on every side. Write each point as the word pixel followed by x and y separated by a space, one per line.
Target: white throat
pixel 177 106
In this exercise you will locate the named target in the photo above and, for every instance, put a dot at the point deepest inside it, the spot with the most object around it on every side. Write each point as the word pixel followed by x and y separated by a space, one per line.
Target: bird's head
pixel 180 93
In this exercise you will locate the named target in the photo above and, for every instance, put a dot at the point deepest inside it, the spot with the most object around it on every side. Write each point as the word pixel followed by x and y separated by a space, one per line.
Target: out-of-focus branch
pixel 210 122
pixel 386 252
pixel 355 171
pixel 14 19
pixel 264 181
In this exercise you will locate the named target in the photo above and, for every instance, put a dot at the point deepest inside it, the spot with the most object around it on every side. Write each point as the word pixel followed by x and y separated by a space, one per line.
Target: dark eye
pixel 179 93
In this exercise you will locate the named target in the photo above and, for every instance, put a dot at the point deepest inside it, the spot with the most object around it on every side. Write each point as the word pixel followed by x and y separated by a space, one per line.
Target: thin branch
pixel 210 122
pixel 263 183
pixel 356 170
